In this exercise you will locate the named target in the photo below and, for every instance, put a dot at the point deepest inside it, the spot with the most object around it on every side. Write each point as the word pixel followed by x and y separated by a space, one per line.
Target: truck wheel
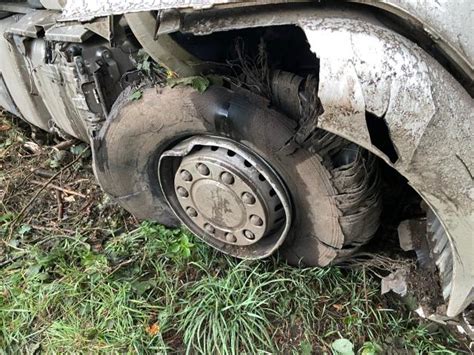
pixel 226 165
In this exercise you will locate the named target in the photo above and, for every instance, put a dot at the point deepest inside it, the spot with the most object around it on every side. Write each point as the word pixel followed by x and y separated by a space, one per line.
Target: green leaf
pixel 146 67
pixel 78 149
pixel 33 270
pixel 175 248
pixel 141 287
pixel 7 217
pixel 54 164
pixel 136 95
pixel 305 348
pixel 24 229
pixel 199 83
pixel 370 348
pixel 14 243
pixel 343 347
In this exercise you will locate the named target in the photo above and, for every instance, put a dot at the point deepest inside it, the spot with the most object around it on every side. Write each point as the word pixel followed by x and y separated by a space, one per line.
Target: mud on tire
pixel 334 184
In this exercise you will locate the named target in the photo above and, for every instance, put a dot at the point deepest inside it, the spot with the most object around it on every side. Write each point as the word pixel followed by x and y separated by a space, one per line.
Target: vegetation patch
pixel 78 272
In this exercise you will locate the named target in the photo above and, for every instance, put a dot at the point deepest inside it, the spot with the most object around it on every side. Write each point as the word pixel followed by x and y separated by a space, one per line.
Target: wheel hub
pixel 225 194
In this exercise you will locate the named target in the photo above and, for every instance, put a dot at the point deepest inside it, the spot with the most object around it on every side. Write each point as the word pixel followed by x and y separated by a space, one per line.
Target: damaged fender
pixel 429 116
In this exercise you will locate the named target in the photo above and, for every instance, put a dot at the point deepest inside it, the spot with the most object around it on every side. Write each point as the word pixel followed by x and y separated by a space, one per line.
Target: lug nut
pixel 186 175
pixel 256 220
pixel 209 229
pixel 248 198
pixel 230 238
pixel 227 178
pixel 202 169
pixel 191 212
pixel 182 191
pixel 249 235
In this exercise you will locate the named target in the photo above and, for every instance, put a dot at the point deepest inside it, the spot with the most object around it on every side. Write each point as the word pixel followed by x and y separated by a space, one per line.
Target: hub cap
pixel 225 194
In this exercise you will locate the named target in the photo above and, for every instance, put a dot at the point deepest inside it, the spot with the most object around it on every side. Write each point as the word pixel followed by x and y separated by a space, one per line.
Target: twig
pixel 63 236
pixel 60 205
pixel 43 173
pixel 5 191
pixel 123 263
pixel 19 217
pixel 59 188
pixel 41 228
pixel 65 145
pixel 23 180
pixel 79 181
pixel 9 261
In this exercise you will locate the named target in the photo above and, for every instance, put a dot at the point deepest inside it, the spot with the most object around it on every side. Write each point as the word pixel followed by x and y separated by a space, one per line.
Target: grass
pixel 142 294
pixel 95 280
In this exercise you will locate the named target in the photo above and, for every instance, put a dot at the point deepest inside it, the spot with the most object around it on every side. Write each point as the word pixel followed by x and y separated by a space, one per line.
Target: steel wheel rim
pixel 227 195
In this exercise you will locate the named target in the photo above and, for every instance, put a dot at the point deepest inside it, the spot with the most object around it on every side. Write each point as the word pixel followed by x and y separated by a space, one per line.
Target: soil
pixel 73 198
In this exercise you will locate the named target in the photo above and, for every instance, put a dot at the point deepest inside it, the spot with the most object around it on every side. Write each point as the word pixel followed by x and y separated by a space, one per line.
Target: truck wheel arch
pixel 367 69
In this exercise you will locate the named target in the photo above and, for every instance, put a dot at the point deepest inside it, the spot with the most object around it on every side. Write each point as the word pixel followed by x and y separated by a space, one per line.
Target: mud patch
pixel 425 287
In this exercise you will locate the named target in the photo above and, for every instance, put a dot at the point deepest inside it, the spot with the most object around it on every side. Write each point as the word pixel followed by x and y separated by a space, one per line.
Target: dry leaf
pixel 32 147
pixel 69 198
pixel 4 127
pixel 153 329
pixel 338 307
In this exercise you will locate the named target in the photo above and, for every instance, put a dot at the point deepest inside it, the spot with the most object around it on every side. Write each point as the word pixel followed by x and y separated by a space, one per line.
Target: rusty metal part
pixel 227 195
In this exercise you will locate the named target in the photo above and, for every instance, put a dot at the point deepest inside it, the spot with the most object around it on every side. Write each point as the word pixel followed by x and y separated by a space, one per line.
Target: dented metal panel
pixel 33 23
pixel 85 10
pixel 6 100
pixel 59 82
pixel 22 90
pixel 364 67
pixel 75 33
pixel 448 23
pixel 53 4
